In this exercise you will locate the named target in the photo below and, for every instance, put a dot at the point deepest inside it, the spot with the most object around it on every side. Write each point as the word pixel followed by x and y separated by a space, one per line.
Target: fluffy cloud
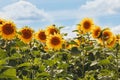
pixel 100 7
pixel 116 29
pixel 23 10
pixel 92 8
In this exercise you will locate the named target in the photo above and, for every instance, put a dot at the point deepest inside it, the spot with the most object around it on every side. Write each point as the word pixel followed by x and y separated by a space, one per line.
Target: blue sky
pixel 40 13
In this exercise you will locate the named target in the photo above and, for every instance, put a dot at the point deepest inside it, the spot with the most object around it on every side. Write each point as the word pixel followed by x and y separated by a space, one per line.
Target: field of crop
pixel 93 54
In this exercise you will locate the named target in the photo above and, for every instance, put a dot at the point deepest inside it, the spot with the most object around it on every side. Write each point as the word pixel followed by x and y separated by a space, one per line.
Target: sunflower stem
pixel 103 41
pixel 88 36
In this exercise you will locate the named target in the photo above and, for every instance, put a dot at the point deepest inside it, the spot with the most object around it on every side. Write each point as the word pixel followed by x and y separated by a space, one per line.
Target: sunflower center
pixel 97 32
pixel 86 25
pixel 52 31
pixel 26 34
pixel 55 41
pixel 8 29
pixel 0 22
pixel 106 36
pixel 42 36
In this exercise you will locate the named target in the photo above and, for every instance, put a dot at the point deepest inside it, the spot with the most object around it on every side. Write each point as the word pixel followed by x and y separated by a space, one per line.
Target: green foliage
pixel 87 61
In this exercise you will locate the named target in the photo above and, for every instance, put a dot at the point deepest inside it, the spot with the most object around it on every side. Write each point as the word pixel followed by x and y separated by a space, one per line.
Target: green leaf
pixel 104 62
pixel 88 48
pixel 105 74
pixel 65 34
pixel 27 64
pixel 26 78
pixel 63 65
pixel 3 61
pixel 3 54
pixel 74 50
pixel 36 53
pixel 19 43
pixel 43 74
pixel 89 77
pixel 42 68
pixel 61 27
pixel 37 61
pixel 9 73
pixel 15 56
pixel 75 31
pixel 51 62
pixel 72 42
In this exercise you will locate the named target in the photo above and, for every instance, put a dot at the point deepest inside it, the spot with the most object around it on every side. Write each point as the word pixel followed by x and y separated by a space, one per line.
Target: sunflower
pixel 54 42
pixel 86 25
pixel 8 30
pixel 111 42
pixel 26 34
pixel 96 32
pixel 107 34
pixel 2 21
pixel 41 36
pixel 51 30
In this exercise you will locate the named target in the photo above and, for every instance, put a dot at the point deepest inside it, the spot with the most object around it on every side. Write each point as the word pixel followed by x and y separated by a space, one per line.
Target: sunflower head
pixel 86 25
pixel 54 42
pixel 111 42
pixel 41 36
pixel 26 34
pixel 51 30
pixel 96 32
pixel 8 30
pixel 107 34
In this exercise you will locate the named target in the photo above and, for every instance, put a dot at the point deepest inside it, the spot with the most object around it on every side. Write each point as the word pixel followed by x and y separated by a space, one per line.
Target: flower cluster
pixel 104 36
pixel 25 54
pixel 51 36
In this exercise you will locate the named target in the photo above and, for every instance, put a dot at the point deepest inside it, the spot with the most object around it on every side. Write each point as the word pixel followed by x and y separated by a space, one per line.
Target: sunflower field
pixel 93 54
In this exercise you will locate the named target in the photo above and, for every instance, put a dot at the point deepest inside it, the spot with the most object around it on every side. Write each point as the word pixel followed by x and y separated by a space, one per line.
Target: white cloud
pixel 23 10
pixel 92 8
pixel 116 29
pixel 101 7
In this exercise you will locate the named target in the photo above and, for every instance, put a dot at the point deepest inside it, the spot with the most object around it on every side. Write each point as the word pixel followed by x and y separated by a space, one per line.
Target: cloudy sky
pixel 40 13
